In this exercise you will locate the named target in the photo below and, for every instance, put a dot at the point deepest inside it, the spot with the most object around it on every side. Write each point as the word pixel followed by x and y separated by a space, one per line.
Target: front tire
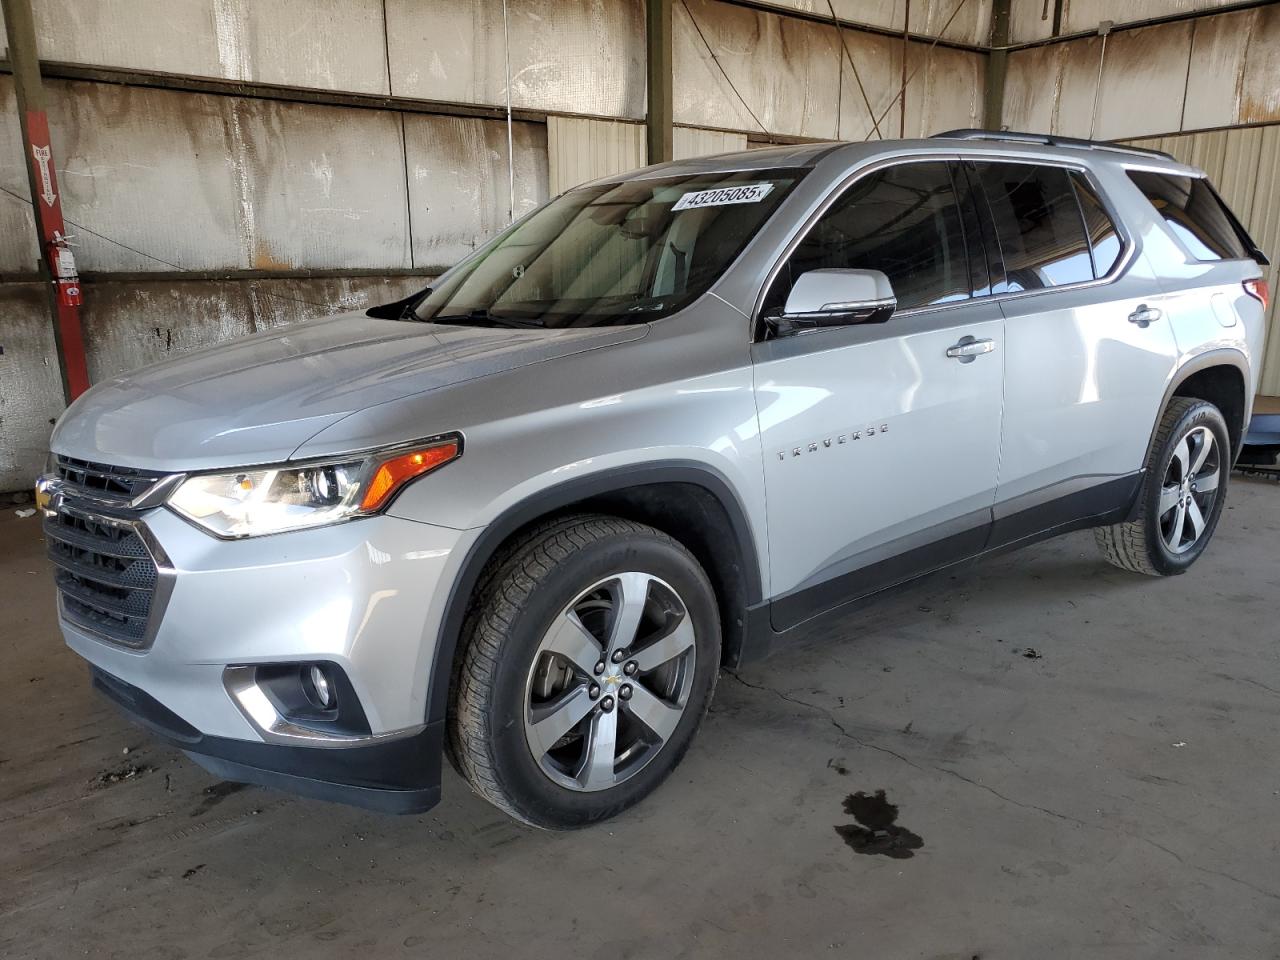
pixel 590 657
pixel 1182 493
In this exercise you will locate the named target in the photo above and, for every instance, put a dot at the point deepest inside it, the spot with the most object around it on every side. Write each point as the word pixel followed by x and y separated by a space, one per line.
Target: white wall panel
pixel 30 384
pixel 689 142
pixel 306 43
pixel 458 182
pixel 211 182
pixel 580 150
pixel 581 57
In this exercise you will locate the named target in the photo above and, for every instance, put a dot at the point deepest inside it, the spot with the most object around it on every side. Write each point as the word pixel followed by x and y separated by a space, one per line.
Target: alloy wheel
pixel 1189 490
pixel 610 682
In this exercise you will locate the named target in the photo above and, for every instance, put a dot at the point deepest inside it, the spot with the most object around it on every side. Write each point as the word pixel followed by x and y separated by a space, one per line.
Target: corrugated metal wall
pixel 1245 166
pixel 222 201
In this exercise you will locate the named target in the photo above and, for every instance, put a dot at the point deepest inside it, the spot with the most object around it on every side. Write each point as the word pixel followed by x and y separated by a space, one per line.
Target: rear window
pixel 1038 225
pixel 1103 238
pixel 1193 212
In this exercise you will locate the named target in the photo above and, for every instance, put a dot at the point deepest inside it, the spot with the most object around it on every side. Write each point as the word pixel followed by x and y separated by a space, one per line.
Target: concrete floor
pixel 1088 759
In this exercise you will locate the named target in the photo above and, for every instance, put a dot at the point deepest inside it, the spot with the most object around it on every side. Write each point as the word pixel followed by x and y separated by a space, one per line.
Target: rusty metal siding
pixel 306 43
pixel 971 24
pixel 209 182
pixel 1226 68
pixel 579 150
pixel 30 385
pixel 458 188
pixel 945 91
pixel 581 57
pixel 1244 164
pixel 805 66
pixel 129 325
pixel 691 142
pixel 1031 20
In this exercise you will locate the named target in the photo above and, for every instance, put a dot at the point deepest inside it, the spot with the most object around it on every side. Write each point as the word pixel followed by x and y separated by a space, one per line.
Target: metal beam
pixel 46 201
pixel 658 136
pixel 997 66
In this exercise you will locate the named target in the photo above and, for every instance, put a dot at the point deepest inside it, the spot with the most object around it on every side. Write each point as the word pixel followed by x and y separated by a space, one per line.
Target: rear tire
pixel 1182 494
pixel 589 660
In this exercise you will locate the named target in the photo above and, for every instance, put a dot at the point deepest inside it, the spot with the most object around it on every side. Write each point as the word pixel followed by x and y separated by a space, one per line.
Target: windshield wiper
pixel 481 316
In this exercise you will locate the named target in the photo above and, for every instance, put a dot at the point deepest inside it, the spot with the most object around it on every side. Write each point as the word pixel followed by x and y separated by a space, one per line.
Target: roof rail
pixel 1048 140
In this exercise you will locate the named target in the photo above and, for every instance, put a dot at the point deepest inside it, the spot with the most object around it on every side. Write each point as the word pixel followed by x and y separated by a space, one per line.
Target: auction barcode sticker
pixel 723 196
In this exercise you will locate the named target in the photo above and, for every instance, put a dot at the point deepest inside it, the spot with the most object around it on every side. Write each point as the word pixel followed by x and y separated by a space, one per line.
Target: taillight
pixel 1260 290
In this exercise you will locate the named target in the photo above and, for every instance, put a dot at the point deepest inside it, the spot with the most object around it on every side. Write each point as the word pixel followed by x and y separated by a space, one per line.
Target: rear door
pixel 879 448
pixel 1089 347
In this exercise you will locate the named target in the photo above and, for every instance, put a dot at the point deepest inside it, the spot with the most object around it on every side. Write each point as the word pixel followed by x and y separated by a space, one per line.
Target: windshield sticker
pixel 723 196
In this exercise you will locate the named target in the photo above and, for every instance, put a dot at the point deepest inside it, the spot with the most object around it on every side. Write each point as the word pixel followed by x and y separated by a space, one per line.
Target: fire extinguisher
pixel 64 271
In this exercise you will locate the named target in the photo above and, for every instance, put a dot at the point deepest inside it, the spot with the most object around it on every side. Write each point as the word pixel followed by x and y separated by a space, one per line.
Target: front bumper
pixel 365 596
pixel 397 775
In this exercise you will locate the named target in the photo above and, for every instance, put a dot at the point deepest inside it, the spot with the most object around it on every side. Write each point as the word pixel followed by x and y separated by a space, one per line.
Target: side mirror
pixel 835 298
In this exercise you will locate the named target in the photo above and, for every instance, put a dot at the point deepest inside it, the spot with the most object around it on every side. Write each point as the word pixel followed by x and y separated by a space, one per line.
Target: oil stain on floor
pixel 877 832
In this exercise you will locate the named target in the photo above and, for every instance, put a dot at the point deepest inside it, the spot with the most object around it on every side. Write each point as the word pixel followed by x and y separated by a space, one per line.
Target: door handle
pixel 969 349
pixel 1144 315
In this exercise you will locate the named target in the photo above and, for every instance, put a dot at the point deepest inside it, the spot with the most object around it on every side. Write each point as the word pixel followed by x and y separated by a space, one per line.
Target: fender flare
pixel 558 497
pixel 1219 357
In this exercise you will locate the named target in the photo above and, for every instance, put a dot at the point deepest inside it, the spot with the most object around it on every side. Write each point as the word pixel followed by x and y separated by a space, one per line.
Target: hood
pixel 256 400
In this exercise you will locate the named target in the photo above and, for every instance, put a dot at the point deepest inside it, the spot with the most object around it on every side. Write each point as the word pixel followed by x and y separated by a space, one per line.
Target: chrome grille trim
pixel 113 578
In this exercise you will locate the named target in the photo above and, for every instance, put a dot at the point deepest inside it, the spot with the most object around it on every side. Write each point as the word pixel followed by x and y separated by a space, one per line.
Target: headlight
pixel 260 500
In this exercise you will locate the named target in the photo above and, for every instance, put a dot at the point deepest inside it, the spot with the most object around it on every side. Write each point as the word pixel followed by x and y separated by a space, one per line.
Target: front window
pixel 612 254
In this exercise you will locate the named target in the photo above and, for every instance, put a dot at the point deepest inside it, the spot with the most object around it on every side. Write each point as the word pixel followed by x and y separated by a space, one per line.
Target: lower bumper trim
pixel 400 775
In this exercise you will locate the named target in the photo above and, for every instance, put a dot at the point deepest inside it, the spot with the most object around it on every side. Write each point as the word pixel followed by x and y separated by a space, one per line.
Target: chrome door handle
pixel 969 349
pixel 1144 315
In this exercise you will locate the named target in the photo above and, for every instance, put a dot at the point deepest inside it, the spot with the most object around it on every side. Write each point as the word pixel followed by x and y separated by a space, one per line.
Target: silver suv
pixel 660 425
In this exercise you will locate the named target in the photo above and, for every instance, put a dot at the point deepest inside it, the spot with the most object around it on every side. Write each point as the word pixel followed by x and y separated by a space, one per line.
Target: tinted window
pixel 903 221
pixel 1194 213
pixel 613 253
pixel 1038 226
pixel 1103 238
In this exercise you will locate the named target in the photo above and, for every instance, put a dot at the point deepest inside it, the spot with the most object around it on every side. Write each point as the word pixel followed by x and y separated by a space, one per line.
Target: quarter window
pixel 1193 212
pixel 904 221
pixel 1038 225
pixel 1104 240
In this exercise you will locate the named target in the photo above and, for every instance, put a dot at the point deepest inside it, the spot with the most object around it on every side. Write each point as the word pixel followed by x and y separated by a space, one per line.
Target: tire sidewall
pixel 1202 414
pixel 539 799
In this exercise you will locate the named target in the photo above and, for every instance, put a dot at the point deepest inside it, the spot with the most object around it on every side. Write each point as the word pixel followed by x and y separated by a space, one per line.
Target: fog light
pixel 321 691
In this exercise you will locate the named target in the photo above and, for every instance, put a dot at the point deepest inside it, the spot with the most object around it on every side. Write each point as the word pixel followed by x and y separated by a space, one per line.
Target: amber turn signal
pixel 393 474
pixel 1260 290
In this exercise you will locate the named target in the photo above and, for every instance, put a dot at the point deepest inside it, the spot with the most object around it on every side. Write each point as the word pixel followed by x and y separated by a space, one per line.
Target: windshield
pixel 612 254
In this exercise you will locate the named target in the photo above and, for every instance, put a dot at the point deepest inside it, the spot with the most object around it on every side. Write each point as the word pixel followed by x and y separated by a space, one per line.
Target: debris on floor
pixel 29 512
pixel 130 771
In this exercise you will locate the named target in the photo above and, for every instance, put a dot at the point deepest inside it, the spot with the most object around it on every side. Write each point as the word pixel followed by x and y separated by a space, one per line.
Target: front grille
pixel 102 481
pixel 105 574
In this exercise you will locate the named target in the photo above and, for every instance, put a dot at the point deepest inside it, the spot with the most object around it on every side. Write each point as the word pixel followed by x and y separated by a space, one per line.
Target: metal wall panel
pixel 458 184
pixel 129 325
pixel 30 385
pixel 1033 19
pixel 945 91
pixel 210 182
pixel 793 96
pixel 1143 80
pixel 580 150
pixel 1235 69
pixel 971 23
pixel 306 43
pixel 879 61
pixel 581 57
pixel 691 142
pixel 1244 164
pixel 18 253
pixel 1225 67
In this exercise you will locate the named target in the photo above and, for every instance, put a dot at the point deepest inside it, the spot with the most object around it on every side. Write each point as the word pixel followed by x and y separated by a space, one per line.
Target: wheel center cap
pixel 612 678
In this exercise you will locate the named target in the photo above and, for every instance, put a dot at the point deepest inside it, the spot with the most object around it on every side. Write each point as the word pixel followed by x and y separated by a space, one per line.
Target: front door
pixel 880 449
